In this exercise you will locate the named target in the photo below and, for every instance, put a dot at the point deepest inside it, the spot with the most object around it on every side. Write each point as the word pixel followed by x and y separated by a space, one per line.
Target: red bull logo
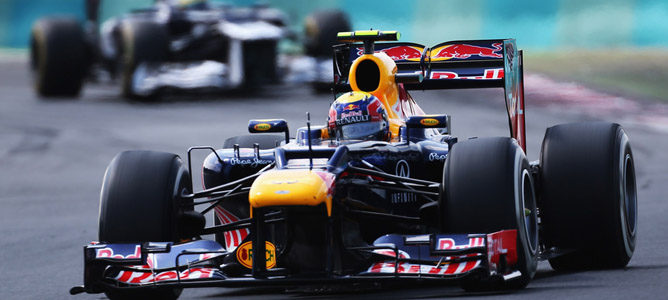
pixel 464 51
pixel 487 74
pixel 397 53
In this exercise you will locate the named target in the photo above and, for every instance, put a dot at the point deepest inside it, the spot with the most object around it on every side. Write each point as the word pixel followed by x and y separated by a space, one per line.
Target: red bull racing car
pixel 381 192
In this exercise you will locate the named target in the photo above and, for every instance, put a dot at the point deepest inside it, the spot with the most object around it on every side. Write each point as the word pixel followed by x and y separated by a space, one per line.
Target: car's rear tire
pixel 487 188
pixel 142 42
pixel 588 197
pixel 59 57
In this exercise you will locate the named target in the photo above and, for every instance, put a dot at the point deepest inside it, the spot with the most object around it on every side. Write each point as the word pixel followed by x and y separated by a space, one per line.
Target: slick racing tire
pixel 588 197
pixel 140 202
pixel 320 29
pixel 140 198
pixel 265 141
pixel 487 187
pixel 141 42
pixel 58 57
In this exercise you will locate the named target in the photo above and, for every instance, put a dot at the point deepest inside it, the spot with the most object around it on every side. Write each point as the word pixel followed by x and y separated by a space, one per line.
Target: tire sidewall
pixel 527 250
pixel 625 160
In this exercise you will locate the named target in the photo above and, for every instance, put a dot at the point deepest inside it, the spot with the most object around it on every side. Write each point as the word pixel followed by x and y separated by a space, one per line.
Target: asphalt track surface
pixel 53 154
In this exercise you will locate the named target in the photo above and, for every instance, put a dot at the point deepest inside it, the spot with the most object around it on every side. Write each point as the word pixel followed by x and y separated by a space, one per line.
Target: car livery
pixel 418 204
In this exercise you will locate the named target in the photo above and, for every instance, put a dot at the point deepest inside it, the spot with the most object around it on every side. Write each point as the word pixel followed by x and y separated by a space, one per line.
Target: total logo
pixel 245 254
pixel 262 127
pixel 429 122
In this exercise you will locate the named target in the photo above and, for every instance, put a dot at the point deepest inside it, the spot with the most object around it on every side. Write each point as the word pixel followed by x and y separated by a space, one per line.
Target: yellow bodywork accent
pixel 387 88
pixel 324 133
pixel 366 32
pixel 288 188
pixel 352 97
pixel 392 32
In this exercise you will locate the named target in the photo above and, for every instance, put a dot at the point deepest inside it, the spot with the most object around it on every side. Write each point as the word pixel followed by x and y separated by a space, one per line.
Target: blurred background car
pixel 174 45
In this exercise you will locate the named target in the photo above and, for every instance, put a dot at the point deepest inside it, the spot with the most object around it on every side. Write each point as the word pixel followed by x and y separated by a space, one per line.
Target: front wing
pixel 201 263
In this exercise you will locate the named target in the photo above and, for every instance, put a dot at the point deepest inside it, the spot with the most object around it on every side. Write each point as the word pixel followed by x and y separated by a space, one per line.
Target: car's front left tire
pixel 140 202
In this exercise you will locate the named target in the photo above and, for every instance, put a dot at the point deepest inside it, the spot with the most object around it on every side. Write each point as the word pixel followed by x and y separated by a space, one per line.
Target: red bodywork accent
pixel 502 243
pixel 109 253
pixel 407 106
pixel 521 126
pixel 233 238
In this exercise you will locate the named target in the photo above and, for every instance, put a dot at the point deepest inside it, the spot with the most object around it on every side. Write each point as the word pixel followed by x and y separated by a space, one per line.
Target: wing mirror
pixel 269 125
pixel 430 121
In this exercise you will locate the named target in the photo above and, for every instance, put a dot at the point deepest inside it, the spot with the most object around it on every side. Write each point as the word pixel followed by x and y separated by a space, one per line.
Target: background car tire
pixel 59 57
pixel 141 42
pixel 320 29
pixel 488 188
pixel 588 197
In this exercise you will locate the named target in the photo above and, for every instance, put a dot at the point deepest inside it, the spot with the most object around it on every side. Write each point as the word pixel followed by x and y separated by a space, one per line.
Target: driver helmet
pixel 358 116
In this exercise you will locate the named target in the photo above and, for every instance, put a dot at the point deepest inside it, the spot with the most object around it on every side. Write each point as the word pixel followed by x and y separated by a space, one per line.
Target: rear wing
pixel 451 65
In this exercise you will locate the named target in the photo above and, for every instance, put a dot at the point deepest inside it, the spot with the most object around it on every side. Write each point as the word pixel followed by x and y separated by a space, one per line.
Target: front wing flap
pixel 446 255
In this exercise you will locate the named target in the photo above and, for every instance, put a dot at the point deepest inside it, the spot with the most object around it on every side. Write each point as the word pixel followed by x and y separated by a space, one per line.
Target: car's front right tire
pixel 488 188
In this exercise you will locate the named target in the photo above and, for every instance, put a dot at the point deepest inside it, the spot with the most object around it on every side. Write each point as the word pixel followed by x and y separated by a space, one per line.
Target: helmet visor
pixel 362 131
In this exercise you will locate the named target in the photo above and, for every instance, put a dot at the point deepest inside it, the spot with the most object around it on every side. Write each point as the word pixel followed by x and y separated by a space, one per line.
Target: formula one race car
pixel 382 192
pixel 178 45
